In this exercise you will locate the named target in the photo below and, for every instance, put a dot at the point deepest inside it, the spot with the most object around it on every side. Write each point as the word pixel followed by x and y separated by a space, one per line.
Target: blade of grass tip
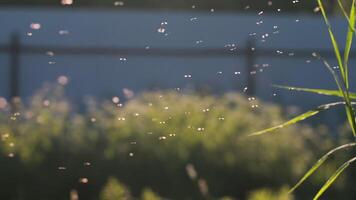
pixel 332 179
pixel 319 163
pixel 316 91
pixel 333 40
pixel 299 118
pixel 348 43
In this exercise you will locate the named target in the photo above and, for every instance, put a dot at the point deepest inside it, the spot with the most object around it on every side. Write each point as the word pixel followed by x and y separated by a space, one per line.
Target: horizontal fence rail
pixel 177 52
pixel 14 48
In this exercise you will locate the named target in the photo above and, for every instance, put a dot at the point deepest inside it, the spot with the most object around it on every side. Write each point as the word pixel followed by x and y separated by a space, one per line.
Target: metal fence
pixel 15 49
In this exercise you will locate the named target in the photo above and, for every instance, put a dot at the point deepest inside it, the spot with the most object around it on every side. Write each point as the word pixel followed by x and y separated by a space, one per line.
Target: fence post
pixel 14 84
pixel 250 62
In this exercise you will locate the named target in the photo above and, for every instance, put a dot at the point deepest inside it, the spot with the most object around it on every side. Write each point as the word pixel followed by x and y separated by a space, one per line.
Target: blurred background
pixel 153 99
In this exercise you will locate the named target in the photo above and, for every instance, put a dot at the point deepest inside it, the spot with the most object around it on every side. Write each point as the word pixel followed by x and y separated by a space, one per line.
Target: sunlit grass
pixel 342 82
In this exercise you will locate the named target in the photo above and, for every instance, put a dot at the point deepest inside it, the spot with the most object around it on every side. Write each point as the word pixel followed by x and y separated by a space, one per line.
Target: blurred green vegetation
pixel 158 144
pixel 113 190
pixel 267 194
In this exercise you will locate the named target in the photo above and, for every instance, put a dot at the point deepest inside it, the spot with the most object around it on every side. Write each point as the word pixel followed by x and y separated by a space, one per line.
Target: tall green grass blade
pixel 338 55
pixel 319 163
pixel 343 91
pixel 299 118
pixel 332 179
pixel 333 40
pixel 344 70
pixel 336 93
pixel 348 42
pixel 348 106
pixel 346 15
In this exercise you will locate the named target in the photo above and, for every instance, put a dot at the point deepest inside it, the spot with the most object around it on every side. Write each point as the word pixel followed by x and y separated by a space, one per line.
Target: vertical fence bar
pixel 14 84
pixel 250 61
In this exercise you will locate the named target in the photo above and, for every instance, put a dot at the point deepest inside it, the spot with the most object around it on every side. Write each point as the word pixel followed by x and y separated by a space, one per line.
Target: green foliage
pixel 148 194
pixel 201 124
pixel 268 194
pixel 114 190
pixel 148 142
pixel 226 198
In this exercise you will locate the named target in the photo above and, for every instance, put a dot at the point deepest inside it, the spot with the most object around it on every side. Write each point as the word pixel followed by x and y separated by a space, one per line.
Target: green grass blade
pixel 336 93
pixel 348 43
pixel 349 109
pixel 299 118
pixel 333 40
pixel 332 179
pixel 342 8
pixel 351 118
pixel 345 93
pixel 346 15
pixel 333 73
pixel 319 163
pixel 337 54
